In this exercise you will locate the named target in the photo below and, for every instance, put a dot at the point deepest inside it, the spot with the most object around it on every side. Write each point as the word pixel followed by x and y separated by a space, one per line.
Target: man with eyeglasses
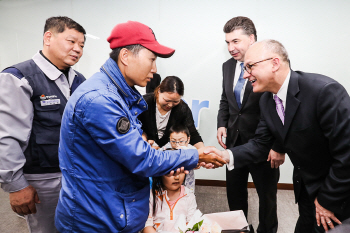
pixel 239 115
pixel 307 116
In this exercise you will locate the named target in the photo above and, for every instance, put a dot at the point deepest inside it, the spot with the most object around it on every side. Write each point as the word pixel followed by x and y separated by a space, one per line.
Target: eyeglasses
pixel 181 143
pixel 248 67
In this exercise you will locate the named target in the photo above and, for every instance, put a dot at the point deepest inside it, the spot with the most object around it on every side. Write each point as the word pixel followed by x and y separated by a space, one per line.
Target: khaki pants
pixel 43 221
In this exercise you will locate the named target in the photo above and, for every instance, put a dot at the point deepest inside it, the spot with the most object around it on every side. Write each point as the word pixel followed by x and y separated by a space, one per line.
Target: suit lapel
pixel 231 77
pixel 271 105
pixel 292 103
pixel 247 91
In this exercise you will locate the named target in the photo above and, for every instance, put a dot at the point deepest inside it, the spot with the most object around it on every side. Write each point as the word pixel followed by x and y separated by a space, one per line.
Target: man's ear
pixel 47 37
pixel 252 39
pixel 124 56
pixel 276 63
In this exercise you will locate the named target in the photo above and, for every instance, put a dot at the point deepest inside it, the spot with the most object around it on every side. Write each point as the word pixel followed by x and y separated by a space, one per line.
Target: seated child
pixel 169 199
pixel 179 139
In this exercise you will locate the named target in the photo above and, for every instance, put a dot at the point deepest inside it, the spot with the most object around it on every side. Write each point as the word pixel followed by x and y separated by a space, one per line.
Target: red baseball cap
pixel 133 32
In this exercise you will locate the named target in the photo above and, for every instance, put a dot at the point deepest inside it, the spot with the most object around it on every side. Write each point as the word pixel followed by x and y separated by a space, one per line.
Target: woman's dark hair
pixel 179 128
pixel 171 84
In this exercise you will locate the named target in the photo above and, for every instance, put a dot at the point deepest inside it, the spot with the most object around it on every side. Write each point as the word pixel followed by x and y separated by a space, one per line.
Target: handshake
pixel 210 157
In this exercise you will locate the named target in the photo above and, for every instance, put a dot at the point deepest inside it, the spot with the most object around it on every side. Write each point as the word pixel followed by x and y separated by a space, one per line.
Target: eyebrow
pixel 232 40
pixel 74 37
pixel 177 139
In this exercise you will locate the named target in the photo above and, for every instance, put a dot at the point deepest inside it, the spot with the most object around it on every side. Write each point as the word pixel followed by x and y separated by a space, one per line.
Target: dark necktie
pixel 279 108
pixel 238 88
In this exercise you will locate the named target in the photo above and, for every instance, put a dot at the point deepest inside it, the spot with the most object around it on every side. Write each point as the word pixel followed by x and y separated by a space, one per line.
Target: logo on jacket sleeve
pixel 123 125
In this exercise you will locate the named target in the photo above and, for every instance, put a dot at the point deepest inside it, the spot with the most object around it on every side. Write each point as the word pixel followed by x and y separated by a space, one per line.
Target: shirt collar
pixel 282 92
pixel 49 69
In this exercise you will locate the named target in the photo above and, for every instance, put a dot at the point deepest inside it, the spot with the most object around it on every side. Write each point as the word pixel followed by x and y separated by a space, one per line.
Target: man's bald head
pixel 267 65
pixel 269 48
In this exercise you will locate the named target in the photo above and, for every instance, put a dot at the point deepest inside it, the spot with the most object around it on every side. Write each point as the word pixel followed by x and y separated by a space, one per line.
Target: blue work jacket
pixel 105 163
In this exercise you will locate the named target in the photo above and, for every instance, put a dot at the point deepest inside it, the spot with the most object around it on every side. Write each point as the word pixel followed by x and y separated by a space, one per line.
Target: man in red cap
pixel 105 163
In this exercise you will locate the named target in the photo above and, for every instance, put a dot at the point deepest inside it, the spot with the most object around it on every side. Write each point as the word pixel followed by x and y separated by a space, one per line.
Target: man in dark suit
pixel 239 114
pixel 308 116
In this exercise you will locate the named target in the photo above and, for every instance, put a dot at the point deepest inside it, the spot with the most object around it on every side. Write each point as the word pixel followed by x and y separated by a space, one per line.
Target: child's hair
pixel 158 188
pixel 179 128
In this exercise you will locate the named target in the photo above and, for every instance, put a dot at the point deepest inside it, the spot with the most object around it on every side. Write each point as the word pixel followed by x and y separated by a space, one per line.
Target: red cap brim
pixel 159 50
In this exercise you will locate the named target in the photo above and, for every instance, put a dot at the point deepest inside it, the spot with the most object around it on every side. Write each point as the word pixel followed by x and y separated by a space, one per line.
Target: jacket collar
pixel 292 102
pixel 51 71
pixel 130 95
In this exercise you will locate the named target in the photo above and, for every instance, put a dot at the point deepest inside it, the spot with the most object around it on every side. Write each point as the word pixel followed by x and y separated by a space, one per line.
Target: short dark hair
pixel 171 84
pixel 179 128
pixel 60 23
pixel 241 22
pixel 134 48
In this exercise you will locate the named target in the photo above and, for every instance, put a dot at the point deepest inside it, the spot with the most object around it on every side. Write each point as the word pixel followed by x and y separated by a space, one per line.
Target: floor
pixel 209 200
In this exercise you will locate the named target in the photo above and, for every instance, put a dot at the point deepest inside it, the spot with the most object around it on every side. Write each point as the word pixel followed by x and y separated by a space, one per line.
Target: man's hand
pixel 221 133
pixel 277 159
pixel 325 217
pixel 23 201
pixel 212 155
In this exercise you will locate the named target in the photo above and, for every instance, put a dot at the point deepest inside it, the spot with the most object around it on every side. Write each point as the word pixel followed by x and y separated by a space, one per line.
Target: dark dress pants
pixel 265 180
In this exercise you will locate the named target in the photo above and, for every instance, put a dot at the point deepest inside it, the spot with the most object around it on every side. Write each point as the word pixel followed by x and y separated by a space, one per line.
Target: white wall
pixel 315 33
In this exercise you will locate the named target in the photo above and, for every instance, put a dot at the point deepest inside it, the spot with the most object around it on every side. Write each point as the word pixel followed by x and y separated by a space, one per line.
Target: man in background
pixel 33 95
pixel 239 115
pixel 307 116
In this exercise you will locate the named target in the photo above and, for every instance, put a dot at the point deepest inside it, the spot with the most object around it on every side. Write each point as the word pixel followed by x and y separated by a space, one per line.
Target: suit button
pixel 240 114
pixel 122 216
pixel 133 200
pixel 297 181
pixel 298 167
pixel 237 130
pixel 135 113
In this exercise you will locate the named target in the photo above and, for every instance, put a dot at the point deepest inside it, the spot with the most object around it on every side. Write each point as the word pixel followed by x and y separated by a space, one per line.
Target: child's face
pixel 173 183
pixel 179 139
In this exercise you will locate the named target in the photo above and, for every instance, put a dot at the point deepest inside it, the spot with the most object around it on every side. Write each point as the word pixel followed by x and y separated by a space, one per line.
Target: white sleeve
pixel 230 165
pixel 192 206
pixel 16 114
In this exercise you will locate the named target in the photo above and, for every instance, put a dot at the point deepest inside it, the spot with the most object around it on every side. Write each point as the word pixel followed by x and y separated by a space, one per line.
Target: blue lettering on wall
pixel 196 108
